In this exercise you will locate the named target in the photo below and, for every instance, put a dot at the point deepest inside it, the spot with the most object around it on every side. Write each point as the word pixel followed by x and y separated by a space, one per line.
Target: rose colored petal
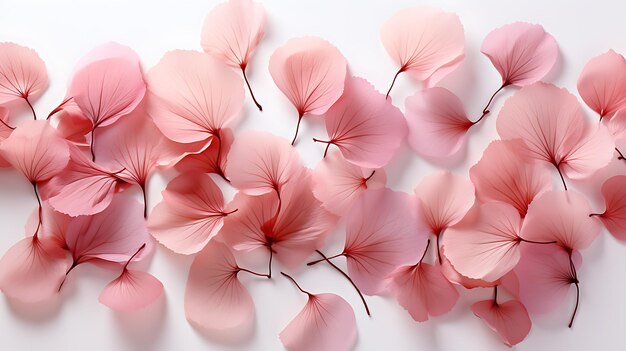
pixel 107 87
pixel 422 40
pixel 214 297
pixel 614 216
pixel 131 291
pixel 545 276
pixel 193 96
pixel 561 216
pixel 364 125
pixel 594 151
pixel 437 122
pixel 457 278
pixel 445 198
pixel 207 160
pixel 53 224
pixel 423 291
pixel 509 320
pixel 37 150
pixel 32 270
pixel 232 30
pixel 338 183
pixel 485 245
pixel 310 72
pixel 84 188
pixel 73 125
pixel 191 213
pixel 382 233
pixel 22 73
pixel 111 235
pixel 523 53
pixel 502 174
pixel 602 83
pixel 261 162
pixel 326 322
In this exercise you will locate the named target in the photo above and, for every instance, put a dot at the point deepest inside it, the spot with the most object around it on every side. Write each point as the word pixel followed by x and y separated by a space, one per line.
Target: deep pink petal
pixel 213 159
pixel 509 320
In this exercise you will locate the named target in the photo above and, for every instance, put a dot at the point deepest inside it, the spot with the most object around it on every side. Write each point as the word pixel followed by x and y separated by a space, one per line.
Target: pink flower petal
pixel 37 150
pixel 214 298
pixel 602 83
pixel 457 278
pixel 423 291
pixel 5 132
pixel 192 212
pixel 594 151
pixel 561 216
pixel 437 122
pixel 212 159
pixel 382 233
pixel 509 320
pixel 131 291
pixel 614 216
pixel 193 96
pixel 326 322
pixel 617 125
pixel 366 127
pixel 32 270
pixel 338 183
pixel 523 53
pixel 22 73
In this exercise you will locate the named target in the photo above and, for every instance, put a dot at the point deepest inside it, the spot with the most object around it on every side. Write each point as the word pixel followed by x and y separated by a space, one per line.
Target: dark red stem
pixel 558 169
pixel 576 283
pixel 145 200
pixel 424 254
pixel 219 170
pixel 31 107
pixel 239 269
pixel 6 125
pixel 402 69
pixel 535 242
pixel 296 283
pixel 486 109
pixel 92 144
pixel 621 156
pixel 295 136
pixel 323 141
pixel 243 70
pixel 134 255
pixel 39 210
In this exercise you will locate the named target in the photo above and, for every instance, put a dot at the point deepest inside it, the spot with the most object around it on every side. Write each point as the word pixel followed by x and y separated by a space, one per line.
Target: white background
pixel 62 31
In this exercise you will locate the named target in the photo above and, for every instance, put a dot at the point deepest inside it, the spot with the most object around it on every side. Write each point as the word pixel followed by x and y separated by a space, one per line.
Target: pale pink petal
pixel 423 40
pixel 502 174
pixel 32 270
pixel 445 198
pixel 423 291
pixel 437 122
pixel 382 233
pixel 338 183
pixel 561 216
pixel 457 278
pixel 214 297
pixel 509 320
pixel 523 53
pixel 193 96
pixel 326 322
pixel 73 125
pixel 22 73
pixel 5 131
pixel 37 150
pixel 131 291
pixel 191 213
pixel 617 125
pixel 485 245
pixel 594 151
pixel 366 127
pixel 614 216
pixel 260 162
pixel 602 83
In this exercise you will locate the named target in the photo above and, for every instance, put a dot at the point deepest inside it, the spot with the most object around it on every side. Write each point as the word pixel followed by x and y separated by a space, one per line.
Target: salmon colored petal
pixel 310 72
pixel 232 30
pixel 545 276
pixel 191 213
pixel 614 216
pixel 214 298
pixel 23 74
pixel 485 245
pixel 502 174
pixel 84 188
pixel 326 322
pixel 382 233
pixel 193 96
pixel 445 198
pixel 423 291
pixel 111 235
pixel 602 83
pixel 261 162
pixel 131 291
pixel 561 216
pixel 73 125
pixel 37 150
pixel 107 87
pixel 594 151
pixel 523 53
pixel 437 122
pixel 32 270
pixel 213 159
pixel 338 183
pixel 509 320
pixel 422 40
pixel 364 125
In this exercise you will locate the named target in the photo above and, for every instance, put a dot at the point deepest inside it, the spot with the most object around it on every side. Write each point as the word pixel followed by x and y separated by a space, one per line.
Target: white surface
pixel 62 31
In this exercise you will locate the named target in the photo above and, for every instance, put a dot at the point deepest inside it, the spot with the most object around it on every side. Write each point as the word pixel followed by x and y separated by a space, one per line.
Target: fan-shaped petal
pixel 614 216
pixel 602 83
pixel 22 73
pixel 594 151
pixel 509 320
pixel 131 291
